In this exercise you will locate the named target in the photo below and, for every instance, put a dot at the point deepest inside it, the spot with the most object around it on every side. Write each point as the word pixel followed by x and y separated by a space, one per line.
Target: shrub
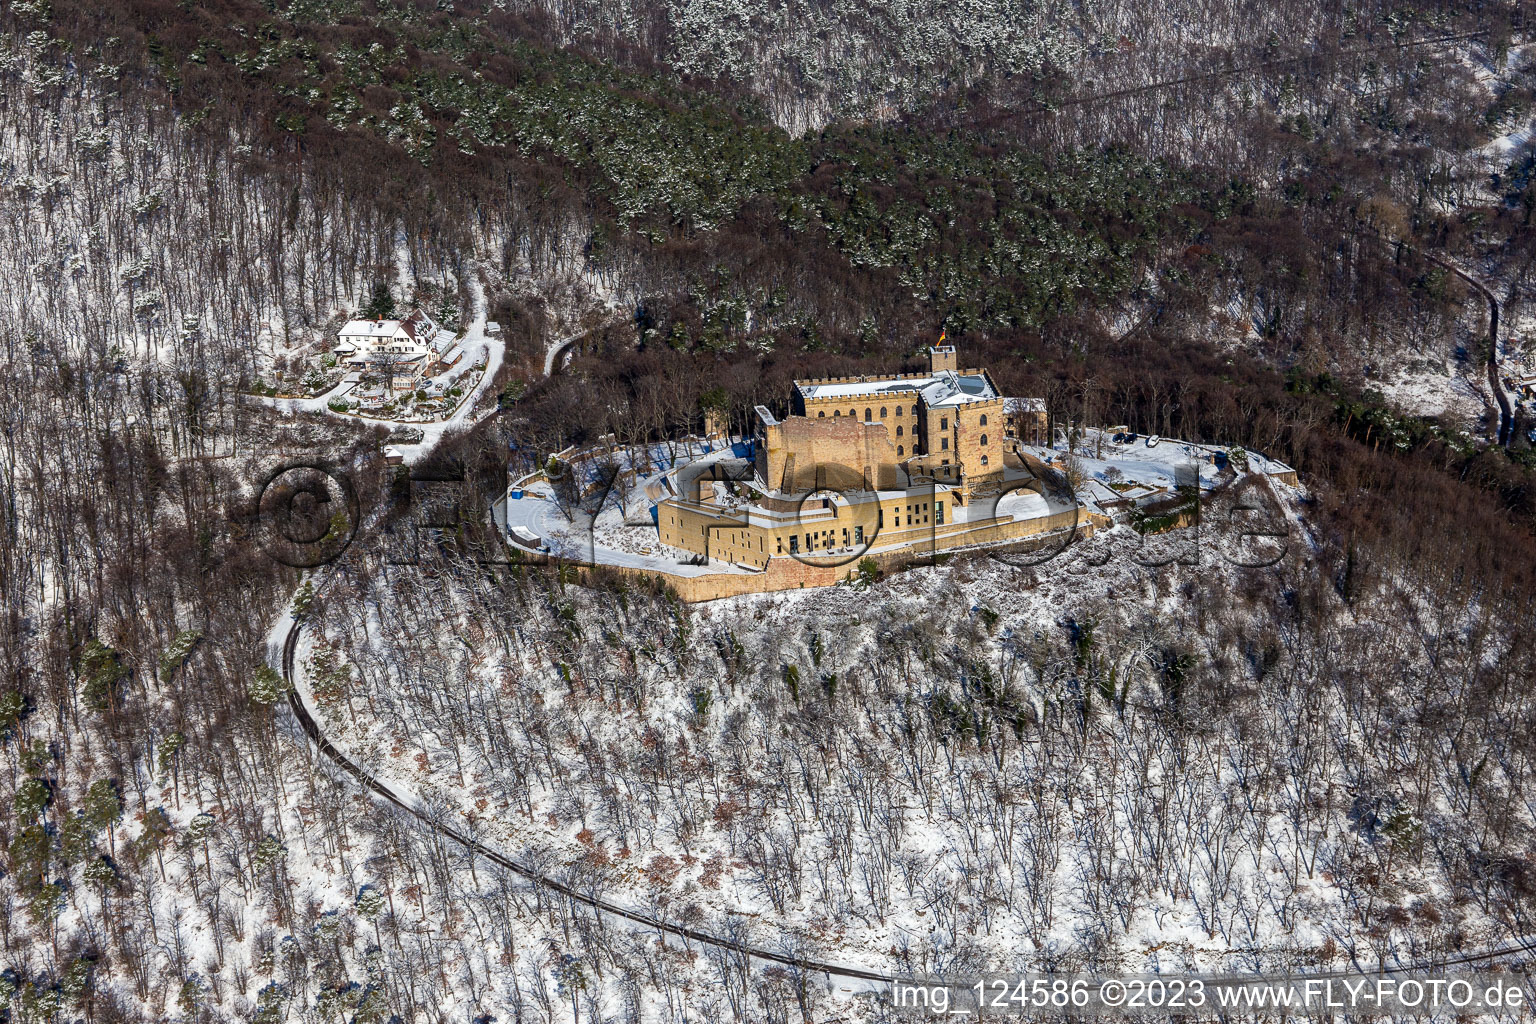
pixel 869 572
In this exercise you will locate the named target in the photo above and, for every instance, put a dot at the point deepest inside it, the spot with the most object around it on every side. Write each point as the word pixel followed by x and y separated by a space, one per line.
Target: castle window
pixel 938 515
pixel 983 423
pixel 944 444
pixel 983 460
pixel 837 413
pixel 898 430
pixel 898 410
pixel 882 412
pixel 868 415
pixel 853 412
pixel 944 423
pixel 983 436
pixel 900 451
pixel 822 415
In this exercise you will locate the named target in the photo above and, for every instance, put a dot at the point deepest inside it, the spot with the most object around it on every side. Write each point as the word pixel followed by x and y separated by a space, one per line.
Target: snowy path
pixel 475 344
pixel 298 405
pixel 554 352
pixel 1495 381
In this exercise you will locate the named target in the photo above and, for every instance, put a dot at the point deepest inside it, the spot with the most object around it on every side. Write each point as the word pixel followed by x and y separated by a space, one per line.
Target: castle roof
pixel 941 389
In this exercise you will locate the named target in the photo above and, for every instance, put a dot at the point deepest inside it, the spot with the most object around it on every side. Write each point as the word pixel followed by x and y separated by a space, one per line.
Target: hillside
pixel 1226 223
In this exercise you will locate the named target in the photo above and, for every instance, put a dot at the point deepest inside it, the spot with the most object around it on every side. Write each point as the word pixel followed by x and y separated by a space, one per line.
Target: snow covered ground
pixel 623 536
pixel 1506 147
pixel 1149 460
pixel 1010 831
pixel 1458 392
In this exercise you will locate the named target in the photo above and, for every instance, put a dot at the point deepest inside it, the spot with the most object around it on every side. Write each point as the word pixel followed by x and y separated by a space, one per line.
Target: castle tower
pixel 942 357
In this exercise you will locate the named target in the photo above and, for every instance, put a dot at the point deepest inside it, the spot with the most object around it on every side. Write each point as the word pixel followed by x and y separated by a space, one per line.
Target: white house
pixel 411 346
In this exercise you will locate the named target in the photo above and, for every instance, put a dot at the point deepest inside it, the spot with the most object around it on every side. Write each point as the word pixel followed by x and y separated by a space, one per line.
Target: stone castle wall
pixel 783 573
pixel 802 454
pixel 919 535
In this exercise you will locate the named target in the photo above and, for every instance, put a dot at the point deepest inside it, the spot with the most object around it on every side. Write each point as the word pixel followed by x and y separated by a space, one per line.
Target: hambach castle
pixel 928 461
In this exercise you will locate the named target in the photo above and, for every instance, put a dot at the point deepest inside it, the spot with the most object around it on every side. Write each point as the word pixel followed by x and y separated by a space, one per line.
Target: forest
pixel 1201 220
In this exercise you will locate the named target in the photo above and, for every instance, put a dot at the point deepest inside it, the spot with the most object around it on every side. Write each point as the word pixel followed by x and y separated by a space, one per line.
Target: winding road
pixel 1495 382
pixel 311 729
pixel 290 629
pixel 559 347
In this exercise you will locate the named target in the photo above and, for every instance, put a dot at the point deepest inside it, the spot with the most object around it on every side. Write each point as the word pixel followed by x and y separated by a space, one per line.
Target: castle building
pixel 880 463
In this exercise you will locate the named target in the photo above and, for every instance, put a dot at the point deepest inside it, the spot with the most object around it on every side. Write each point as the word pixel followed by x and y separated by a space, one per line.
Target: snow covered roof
pixel 945 387
pixel 948 388
pixel 373 329
pixel 417 323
